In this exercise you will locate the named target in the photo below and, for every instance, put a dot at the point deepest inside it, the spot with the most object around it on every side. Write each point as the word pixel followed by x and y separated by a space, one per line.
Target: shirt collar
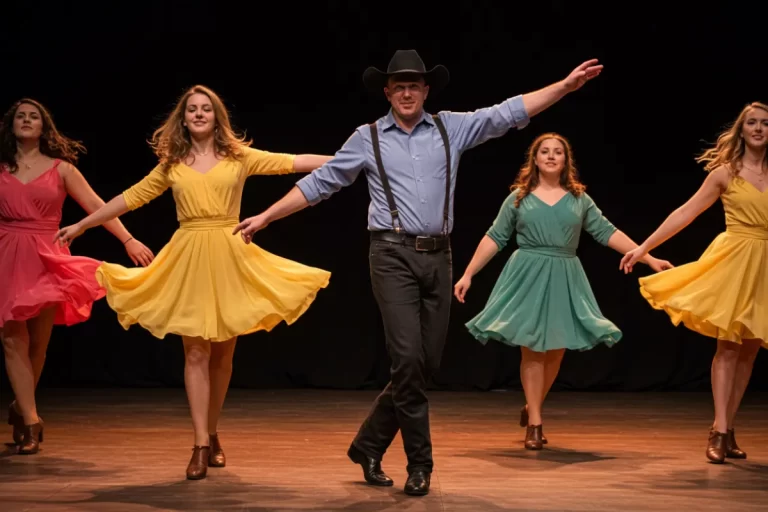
pixel 389 120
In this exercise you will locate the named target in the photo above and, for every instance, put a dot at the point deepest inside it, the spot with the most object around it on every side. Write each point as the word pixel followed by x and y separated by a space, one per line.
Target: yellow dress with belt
pixel 724 294
pixel 206 282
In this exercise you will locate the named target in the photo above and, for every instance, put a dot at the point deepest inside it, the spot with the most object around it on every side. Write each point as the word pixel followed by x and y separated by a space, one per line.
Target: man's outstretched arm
pixel 291 203
pixel 340 171
pixel 538 101
pixel 470 129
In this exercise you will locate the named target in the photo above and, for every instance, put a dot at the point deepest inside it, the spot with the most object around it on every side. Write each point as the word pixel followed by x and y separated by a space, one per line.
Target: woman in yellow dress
pixel 205 285
pixel 723 295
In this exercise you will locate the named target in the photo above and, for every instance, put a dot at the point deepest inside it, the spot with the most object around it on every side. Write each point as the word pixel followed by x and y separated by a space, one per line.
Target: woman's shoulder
pixel 514 193
pixel 511 199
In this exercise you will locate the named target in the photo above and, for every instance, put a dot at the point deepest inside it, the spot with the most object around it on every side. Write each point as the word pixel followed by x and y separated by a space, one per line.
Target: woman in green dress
pixel 542 301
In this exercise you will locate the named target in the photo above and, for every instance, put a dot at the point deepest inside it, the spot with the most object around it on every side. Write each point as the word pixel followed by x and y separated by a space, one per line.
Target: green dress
pixel 542 299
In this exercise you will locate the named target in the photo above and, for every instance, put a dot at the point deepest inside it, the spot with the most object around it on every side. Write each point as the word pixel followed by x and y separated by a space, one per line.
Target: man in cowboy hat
pixel 411 160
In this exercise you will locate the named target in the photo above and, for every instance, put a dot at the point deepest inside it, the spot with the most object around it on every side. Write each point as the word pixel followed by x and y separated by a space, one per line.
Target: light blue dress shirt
pixel 414 163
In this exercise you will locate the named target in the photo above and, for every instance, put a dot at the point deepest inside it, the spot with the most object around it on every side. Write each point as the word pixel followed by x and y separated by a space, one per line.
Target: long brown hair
pixel 528 177
pixel 52 143
pixel 729 147
pixel 171 141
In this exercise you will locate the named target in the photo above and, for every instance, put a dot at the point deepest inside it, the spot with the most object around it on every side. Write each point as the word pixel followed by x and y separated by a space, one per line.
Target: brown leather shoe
pixel 533 438
pixel 16 420
pixel 732 450
pixel 216 458
pixel 524 421
pixel 33 436
pixel 717 446
pixel 198 464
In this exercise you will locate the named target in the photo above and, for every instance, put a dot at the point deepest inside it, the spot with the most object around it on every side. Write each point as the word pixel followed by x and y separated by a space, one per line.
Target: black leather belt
pixel 420 243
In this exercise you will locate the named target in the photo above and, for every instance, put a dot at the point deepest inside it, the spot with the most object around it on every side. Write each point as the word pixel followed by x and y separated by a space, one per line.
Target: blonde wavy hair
pixel 171 142
pixel 729 148
pixel 528 177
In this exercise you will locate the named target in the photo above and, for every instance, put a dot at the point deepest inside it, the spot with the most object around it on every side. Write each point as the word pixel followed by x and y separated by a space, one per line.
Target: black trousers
pixel 413 290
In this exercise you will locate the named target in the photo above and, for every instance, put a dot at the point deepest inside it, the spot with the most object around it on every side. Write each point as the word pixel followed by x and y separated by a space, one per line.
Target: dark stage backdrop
pixel 292 79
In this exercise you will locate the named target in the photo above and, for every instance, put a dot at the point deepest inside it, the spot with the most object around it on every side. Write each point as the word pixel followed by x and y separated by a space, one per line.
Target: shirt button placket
pixel 420 191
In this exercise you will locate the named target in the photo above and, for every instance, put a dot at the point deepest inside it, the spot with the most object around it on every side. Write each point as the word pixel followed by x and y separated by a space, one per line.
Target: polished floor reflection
pixel 127 450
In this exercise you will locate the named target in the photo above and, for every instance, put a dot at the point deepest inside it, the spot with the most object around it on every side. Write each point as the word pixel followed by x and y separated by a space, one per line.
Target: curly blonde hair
pixel 171 141
pixel 729 148
pixel 528 177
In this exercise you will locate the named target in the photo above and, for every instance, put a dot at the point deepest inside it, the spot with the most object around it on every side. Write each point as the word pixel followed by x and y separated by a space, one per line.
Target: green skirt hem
pixel 484 336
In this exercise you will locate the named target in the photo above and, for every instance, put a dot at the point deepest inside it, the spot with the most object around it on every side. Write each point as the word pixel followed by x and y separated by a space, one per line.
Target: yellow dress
pixel 206 282
pixel 724 294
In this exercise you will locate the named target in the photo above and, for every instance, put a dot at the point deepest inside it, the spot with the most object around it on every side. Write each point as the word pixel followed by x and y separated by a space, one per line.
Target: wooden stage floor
pixel 127 450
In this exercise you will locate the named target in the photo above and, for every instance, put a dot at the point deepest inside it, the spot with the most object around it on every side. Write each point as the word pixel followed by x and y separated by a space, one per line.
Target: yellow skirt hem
pixel 266 323
pixel 735 332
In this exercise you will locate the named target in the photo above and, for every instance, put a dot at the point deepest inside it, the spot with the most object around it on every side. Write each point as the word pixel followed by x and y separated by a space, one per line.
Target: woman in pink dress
pixel 42 283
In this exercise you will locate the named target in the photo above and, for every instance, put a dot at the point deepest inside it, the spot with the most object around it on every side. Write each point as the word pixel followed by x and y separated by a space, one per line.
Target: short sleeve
pixel 504 225
pixel 152 186
pixel 595 223
pixel 257 161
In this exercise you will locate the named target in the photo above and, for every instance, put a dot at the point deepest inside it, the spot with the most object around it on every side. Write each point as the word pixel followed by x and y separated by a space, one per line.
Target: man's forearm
pixel 538 101
pixel 291 203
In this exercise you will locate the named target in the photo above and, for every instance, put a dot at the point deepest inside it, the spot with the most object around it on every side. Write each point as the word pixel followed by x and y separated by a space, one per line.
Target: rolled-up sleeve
pixel 340 171
pixel 469 129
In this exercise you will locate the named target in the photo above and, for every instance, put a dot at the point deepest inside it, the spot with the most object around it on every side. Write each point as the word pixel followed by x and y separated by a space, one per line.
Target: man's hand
pixel 582 74
pixel 249 226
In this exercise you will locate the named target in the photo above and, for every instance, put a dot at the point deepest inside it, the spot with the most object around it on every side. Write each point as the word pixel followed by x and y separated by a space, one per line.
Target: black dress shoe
pixel 417 483
pixel 372 471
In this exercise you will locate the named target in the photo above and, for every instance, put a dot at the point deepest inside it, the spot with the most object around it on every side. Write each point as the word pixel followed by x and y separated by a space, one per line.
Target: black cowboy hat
pixel 406 61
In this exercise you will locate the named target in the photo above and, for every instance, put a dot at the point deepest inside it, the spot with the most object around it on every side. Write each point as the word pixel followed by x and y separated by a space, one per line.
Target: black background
pixel 292 79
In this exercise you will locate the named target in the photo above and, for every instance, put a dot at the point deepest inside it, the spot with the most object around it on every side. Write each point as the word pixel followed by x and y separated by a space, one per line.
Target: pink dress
pixel 36 272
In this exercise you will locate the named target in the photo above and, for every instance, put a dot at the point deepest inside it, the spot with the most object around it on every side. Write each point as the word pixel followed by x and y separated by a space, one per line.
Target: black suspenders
pixel 396 224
